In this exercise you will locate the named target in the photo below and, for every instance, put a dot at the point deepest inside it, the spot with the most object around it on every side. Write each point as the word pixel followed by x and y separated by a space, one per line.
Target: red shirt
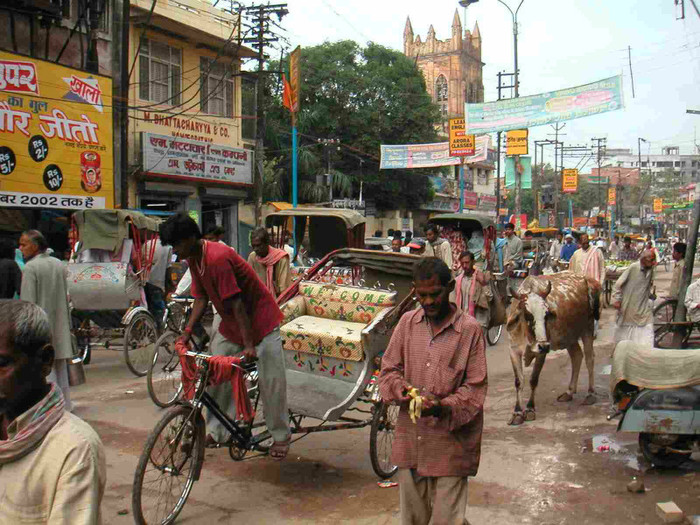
pixel 226 275
pixel 452 365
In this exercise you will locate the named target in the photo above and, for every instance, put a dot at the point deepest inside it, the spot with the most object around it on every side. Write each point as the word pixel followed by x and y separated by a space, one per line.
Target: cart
pixel 107 274
pixel 612 274
pixel 665 326
pixel 477 234
pixel 333 339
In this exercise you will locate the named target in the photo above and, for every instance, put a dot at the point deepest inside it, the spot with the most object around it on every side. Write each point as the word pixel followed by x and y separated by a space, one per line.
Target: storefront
pixel 55 146
pixel 207 180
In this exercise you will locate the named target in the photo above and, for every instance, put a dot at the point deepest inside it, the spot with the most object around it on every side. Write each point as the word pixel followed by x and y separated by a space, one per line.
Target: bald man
pixel 631 297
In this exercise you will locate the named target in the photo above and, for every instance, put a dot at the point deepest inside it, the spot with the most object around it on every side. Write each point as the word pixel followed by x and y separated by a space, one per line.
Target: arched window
pixel 441 91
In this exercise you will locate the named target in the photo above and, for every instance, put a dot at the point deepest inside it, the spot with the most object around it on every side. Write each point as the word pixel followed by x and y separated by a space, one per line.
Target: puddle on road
pixel 626 452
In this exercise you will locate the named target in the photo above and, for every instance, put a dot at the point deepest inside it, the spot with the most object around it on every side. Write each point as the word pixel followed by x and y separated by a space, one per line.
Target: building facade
pixel 685 167
pixel 452 68
pixel 191 126
pixel 56 146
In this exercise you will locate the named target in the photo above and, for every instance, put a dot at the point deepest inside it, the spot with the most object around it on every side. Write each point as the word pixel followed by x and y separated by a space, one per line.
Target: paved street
pixel 547 471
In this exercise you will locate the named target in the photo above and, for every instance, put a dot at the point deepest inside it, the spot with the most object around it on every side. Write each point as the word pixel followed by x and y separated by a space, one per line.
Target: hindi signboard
pixel 569 181
pixel 461 144
pixel 658 205
pixel 545 108
pixel 55 136
pixel 429 155
pixel 185 159
pixel 516 142
pixel 612 196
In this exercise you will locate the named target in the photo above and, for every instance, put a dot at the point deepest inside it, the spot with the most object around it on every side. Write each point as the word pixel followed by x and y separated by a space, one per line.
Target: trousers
pixel 444 499
pixel 272 381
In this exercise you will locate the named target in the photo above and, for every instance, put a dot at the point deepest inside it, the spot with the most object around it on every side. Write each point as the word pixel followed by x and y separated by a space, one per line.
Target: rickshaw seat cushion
pixel 326 337
pixel 295 307
pixel 345 303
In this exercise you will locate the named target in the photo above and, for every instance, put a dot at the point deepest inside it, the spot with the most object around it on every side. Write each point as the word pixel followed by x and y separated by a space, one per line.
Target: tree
pixel 363 97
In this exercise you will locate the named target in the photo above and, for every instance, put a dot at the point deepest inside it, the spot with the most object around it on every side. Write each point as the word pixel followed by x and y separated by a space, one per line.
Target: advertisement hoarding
pixel 429 155
pixel 55 136
pixel 569 181
pixel 185 159
pixel 545 108
pixel 295 77
pixel 461 144
pixel 658 205
pixel 516 142
pixel 612 196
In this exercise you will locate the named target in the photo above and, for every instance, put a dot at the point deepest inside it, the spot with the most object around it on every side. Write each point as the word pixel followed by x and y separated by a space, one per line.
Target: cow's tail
pixel 594 301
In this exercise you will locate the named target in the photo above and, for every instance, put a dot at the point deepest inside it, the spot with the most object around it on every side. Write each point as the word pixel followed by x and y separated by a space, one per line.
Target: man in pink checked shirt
pixel 438 349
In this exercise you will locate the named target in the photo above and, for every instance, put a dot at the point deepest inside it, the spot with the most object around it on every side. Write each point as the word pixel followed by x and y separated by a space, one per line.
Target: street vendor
pixel 248 323
pixel 270 264
pixel 679 249
pixel 631 296
pixel 437 354
pixel 588 260
pixel 472 293
pixel 438 246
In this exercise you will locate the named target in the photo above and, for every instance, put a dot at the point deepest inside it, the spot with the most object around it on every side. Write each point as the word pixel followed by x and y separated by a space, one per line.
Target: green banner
pixel 524 167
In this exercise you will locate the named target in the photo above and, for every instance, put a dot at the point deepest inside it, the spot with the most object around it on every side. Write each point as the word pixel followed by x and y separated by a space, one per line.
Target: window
pixel 217 87
pixel 677 164
pixel 248 105
pixel 160 70
pixel 441 90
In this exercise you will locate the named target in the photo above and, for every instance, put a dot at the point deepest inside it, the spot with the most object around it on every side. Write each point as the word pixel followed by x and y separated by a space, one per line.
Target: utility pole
pixel 639 164
pixel 120 97
pixel 600 148
pixel 327 150
pixel 500 89
pixel 260 38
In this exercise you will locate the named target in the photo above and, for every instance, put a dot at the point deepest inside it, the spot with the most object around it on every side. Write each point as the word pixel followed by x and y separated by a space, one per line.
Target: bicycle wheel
pixel 168 467
pixel 607 293
pixel 139 342
pixel 164 378
pixel 493 334
pixel 381 439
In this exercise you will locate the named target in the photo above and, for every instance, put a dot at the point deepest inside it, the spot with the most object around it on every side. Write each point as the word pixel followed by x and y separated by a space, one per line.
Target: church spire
pixel 456 23
pixel 408 30
pixel 476 33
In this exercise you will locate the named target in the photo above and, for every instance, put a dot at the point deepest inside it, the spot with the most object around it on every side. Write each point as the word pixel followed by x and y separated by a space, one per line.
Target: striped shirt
pixel 450 364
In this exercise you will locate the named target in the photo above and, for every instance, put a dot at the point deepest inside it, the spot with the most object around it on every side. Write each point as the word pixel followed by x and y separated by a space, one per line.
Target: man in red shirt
pixel 439 350
pixel 249 323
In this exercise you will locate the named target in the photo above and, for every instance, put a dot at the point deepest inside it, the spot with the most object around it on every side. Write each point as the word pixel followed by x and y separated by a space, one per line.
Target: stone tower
pixel 452 68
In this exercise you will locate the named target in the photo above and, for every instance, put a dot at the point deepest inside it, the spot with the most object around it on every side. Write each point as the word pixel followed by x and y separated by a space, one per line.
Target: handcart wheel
pixel 168 467
pixel 164 379
pixel 493 334
pixel 381 439
pixel 607 293
pixel 139 343
pixel 663 314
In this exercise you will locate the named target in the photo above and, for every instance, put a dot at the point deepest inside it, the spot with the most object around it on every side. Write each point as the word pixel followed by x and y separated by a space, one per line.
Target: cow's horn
pixel 546 292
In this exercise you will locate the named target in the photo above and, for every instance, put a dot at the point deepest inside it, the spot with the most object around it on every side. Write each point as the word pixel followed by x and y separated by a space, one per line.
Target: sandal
pixel 279 450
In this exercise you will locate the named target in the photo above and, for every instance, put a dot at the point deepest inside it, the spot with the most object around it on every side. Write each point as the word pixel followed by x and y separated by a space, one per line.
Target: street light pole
pixel 639 163
pixel 516 85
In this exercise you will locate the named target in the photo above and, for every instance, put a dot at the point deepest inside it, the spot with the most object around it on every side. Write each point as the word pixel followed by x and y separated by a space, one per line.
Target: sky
pixel 561 44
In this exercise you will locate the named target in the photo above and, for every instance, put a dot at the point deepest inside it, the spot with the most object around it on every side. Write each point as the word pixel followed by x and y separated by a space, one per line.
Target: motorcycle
pixel 668 421
pixel 656 392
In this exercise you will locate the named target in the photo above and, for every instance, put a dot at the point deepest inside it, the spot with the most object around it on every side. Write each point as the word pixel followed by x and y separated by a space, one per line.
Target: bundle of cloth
pixel 221 369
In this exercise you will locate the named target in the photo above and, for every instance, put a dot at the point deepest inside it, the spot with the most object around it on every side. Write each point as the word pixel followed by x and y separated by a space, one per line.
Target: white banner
pixel 50 200
pixel 179 158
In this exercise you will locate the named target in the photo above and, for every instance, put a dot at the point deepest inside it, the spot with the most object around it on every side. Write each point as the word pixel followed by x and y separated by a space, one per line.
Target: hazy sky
pixel 562 43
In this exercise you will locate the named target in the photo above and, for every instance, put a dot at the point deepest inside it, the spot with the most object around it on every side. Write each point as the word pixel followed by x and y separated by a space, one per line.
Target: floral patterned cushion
pixel 345 303
pixel 324 337
pixel 295 307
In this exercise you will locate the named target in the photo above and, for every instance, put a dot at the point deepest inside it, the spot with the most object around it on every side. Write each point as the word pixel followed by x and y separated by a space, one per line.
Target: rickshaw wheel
pixel 493 334
pixel 381 439
pixel 139 343
pixel 168 467
pixel 164 373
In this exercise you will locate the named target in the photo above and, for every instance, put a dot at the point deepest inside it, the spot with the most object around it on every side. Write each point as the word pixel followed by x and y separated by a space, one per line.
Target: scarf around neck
pixel 37 422
pixel 274 255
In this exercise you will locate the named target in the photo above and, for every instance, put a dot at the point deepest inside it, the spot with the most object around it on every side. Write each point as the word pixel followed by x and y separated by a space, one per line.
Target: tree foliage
pixel 362 97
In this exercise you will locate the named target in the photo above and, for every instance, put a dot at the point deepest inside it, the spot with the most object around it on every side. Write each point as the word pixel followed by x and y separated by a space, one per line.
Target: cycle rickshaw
pixel 107 273
pixel 333 339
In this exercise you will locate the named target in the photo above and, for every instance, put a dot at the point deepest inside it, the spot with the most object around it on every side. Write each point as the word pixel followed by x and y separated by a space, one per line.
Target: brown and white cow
pixel 552 312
